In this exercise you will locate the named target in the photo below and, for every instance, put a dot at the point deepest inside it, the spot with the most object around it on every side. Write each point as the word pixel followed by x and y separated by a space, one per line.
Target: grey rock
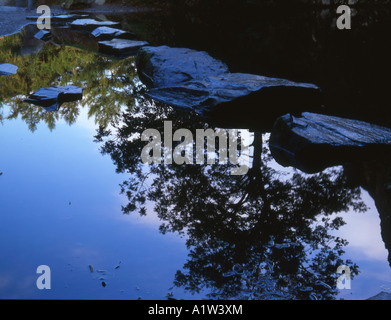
pixel 43 35
pixel 314 142
pixel 92 24
pixel 121 47
pixel 107 33
pixel 7 69
pixel 51 98
pixel 193 80
pixel 165 66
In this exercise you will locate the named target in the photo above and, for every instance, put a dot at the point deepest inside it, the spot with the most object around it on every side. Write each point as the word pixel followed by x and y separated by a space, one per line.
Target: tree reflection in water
pixel 263 235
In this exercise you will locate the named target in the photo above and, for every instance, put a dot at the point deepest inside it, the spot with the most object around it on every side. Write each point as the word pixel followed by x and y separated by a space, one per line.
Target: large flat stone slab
pixel 51 98
pixel 193 80
pixel 313 142
pixel 43 35
pixel 92 24
pixel 121 47
pixel 108 33
pixel 165 66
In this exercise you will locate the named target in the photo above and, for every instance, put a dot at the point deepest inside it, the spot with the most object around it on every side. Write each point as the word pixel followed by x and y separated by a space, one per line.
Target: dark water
pixel 76 197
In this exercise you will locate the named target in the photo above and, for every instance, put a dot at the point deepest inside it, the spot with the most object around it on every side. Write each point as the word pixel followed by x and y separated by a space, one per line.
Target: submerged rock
pixel 92 24
pixel 190 79
pixel 7 69
pixel 51 98
pixel 314 142
pixel 165 66
pixel 107 33
pixel 121 47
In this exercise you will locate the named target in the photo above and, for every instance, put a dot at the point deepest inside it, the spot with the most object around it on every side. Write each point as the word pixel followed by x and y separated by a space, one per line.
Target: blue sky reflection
pixel 60 206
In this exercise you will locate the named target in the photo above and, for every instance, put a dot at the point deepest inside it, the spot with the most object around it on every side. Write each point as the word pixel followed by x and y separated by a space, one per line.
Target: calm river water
pixel 75 196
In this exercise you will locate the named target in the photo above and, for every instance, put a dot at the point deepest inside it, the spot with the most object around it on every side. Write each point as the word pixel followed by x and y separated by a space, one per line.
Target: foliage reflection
pixel 107 83
pixel 267 234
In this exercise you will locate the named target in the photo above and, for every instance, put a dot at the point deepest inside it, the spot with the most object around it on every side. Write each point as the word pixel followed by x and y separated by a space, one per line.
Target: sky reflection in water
pixel 61 207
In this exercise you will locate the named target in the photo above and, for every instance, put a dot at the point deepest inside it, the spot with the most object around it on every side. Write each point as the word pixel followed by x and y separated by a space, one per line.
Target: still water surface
pixel 61 207
pixel 275 233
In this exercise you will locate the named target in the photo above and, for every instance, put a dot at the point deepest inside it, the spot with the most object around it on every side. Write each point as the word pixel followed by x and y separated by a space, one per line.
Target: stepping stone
pixel 92 24
pixel 43 35
pixel 121 47
pixel 7 69
pixel 313 142
pixel 107 33
pixel 51 98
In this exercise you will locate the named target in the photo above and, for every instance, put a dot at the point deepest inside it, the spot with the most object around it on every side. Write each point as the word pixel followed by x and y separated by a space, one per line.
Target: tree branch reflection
pixel 276 227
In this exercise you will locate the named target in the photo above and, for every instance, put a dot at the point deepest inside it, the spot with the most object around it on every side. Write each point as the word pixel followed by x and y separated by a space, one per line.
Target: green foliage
pixel 106 83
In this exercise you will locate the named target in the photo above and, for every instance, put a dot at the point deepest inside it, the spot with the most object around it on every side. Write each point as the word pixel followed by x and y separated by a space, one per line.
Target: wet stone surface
pixel 92 24
pixel 193 80
pixel 43 35
pixel 107 33
pixel 121 47
pixel 315 141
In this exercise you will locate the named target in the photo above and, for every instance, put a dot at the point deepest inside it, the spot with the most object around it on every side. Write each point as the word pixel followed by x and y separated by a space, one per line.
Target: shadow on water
pixel 267 234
